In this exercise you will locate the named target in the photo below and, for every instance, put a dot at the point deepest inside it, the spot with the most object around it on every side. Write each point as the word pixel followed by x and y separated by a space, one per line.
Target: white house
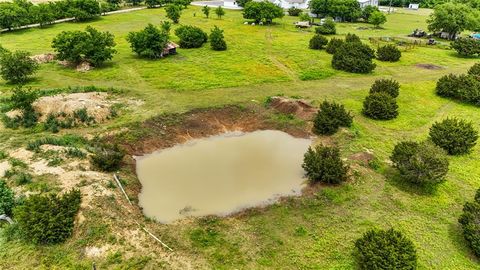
pixel 302 4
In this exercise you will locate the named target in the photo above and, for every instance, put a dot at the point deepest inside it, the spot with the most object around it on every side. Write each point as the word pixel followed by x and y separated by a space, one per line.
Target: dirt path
pixel 289 72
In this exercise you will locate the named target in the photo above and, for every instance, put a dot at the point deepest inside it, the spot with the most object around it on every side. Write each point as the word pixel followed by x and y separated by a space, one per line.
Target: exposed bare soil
pixel 298 107
pixel 429 66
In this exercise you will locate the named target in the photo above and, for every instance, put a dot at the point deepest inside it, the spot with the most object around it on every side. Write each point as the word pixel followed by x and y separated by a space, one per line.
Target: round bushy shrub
pixel 48 219
pixel 352 38
pixel 475 71
pixel 327 28
pixel 323 164
pixel 388 86
pixel 149 42
pixel 17 67
pixel 462 87
pixel 456 136
pixel 420 163
pixel 191 36
pixel 466 46
pixel 7 199
pixel 354 57
pixel 293 11
pixel 318 42
pixel 217 41
pixel 380 106
pixel 389 53
pixel 470 225
pixel 385 249
pixel 333 45
pixel 107 157
pixel 330 117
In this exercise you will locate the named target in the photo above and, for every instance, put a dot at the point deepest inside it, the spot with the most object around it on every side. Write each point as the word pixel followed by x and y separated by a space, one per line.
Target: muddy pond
pixel 220 175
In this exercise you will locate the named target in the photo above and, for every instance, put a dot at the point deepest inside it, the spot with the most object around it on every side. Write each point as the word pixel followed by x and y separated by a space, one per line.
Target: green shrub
pixel 352 38
pixel 323 164
pixel 327 28
pixel 16 67
pixel 217 41
pixel 354 57
pixel 293 11
pixel 456 136
pixel 191 36
pixel 173 12
pixel 389 53
pixel 475 71
pixel 22 99
pixel 333 45
pixel 466 46
pixel 7 199
pixel 465 88
pixel 377 18
pixel 48 219
pixel 22 178
pixel 107 158
pixel 388 86
pixel 420 163
pixel 380 106
pixel 330 117
pixel 385 249
pixel 149 42
pixel 470 225
pixel 318 42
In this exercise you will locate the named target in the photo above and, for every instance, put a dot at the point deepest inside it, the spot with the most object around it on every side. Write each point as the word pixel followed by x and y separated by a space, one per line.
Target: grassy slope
pixel 305 233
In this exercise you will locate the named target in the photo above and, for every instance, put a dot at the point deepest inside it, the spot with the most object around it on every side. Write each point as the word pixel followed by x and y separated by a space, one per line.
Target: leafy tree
pixel 262 11
pixel 388 86
pixel 107 158
pixel 220 12
pixel 83 10
pixel 182 3
pixel 22 99
pixel 389 53
pixel 17 66
pixel 293 11
pixel 470 225
pixel 134 2
pixel 12 15
pixel 380 106
pixel 333 45
pixel 43 14
pixel 91 45
pixel 153 3
pixel 242 3
pixel 385 249
pixel 354 57
pixel 456 136
pixel 367 11
pixel 323 164
pixel 191 36
pixel 377 18
pixel 149 42
pixel 352 38
pixel 420 163
pixel 327 28
pixel 217 41
pixel 48 219
pixel 206 11
pixel 466 46
pixel 318 42
pixel 347 10
pixel 453 18
pixel 330 117
pixel 173 12
pixel 7 199
pixel 321 8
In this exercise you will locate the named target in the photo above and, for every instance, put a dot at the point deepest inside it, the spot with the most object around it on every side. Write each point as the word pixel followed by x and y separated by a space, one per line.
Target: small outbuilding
pixel 414 6
pixel 170 48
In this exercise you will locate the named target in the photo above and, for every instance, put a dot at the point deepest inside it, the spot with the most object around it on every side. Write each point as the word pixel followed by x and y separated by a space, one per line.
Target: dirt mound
pixel 300 108
pixel 363 158
pixel 95 103
pixel 43 58
pixel 429 66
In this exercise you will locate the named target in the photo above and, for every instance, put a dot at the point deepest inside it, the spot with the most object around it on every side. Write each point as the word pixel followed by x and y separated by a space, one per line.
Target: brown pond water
pixel 220 175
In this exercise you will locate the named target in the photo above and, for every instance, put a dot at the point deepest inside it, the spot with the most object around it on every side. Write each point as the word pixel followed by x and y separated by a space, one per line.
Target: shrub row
pixel 465 87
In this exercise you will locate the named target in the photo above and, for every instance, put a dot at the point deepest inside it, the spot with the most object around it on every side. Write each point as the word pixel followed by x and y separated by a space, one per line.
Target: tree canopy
pixel 149 42
pixel 453 18
pixel 262 11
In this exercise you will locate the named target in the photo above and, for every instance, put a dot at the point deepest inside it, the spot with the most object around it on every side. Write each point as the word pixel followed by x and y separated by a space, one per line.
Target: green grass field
pixel 310 232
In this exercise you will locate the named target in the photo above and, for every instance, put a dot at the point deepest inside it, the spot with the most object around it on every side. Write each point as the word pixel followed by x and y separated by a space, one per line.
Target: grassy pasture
pixel 303 233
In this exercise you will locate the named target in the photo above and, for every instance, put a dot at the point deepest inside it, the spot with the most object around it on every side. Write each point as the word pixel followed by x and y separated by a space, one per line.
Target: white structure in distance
pixel 301 4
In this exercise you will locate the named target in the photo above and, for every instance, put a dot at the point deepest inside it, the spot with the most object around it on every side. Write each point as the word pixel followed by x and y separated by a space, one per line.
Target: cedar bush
pixel 7 199
pixel 388 86
pixel 293 11
pixel 475 71
pixel 191 36
pixel 456 136
pixel 385 249
pixel 420 163
pixel 465 88
pixel 380 106
pixel 323 164
pixel 466 46
pixel 470 225
pixel 354 57
pixel 389 53
pixel 107 157
pixel 318 42
pixel 352 38
pixel 333 45
pixel 327 28
pixel 217 41
pixel 48 219
pixel 330 117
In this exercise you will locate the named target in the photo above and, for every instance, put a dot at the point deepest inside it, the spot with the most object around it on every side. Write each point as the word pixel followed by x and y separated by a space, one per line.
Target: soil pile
pixel 300 108
pixel 43 58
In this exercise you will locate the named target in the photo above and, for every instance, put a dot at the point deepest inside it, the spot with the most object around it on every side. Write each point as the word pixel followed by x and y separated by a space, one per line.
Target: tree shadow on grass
pixel 394 178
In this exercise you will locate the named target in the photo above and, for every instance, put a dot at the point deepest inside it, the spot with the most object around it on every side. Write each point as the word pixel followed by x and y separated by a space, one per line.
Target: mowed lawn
pixel 315 232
